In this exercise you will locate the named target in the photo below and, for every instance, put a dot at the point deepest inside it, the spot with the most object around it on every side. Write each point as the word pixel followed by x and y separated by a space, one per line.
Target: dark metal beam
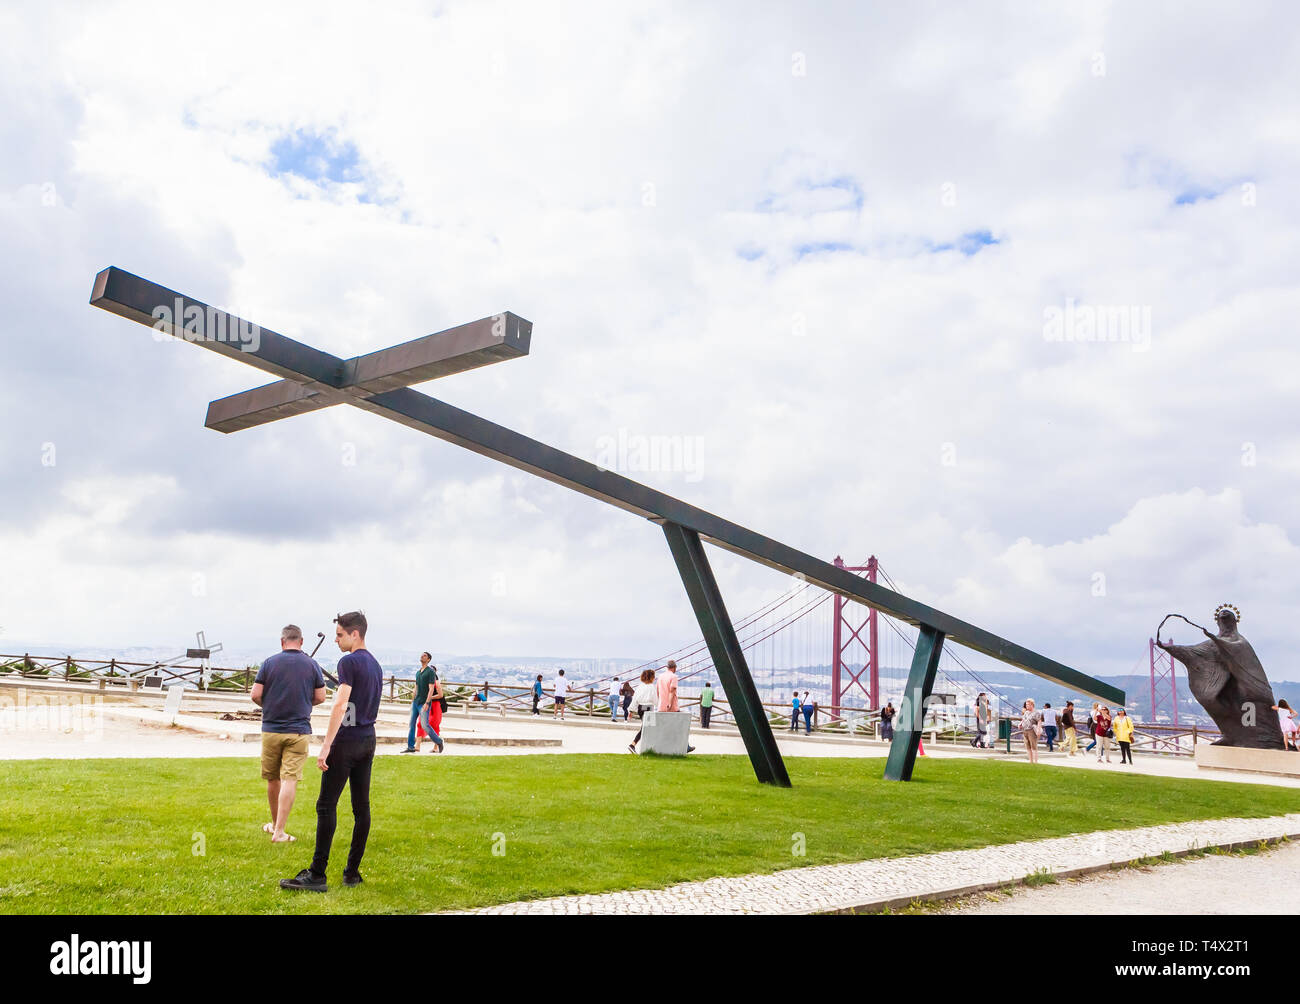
pixel 446 422
pixel 119 292
pixel 911 709
pixel 728 657
pixel 135 298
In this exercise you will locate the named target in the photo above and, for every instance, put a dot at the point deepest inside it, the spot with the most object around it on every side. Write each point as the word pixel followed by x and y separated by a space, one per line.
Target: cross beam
pixel 479 343
pixel 335 382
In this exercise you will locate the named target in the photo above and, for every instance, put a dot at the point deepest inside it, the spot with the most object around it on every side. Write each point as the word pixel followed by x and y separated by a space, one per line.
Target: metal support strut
pixel 911 710
pixel 728 656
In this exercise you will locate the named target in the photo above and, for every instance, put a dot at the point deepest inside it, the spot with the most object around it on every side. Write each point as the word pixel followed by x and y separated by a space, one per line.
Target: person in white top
pixel 645 698
pixel 561 695
pixel 614 699
pixel 1049 725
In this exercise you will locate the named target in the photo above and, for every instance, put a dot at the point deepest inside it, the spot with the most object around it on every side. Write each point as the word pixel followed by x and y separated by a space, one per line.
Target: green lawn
pixel 118 836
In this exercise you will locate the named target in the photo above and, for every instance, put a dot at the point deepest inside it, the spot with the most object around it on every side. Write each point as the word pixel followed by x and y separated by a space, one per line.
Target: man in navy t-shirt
pixel 288 685
pixel 347 754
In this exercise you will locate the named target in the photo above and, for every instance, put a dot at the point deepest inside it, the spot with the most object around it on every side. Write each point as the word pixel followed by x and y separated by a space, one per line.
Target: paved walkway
pixel 1267 883
pixel 897 881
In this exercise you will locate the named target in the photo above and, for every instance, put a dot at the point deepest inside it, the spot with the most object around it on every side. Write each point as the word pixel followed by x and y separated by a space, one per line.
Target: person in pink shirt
pixel 667 684
pixel 668 688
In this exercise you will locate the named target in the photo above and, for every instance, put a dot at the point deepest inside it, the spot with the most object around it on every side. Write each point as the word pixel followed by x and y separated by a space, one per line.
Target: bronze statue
pixel 1227 679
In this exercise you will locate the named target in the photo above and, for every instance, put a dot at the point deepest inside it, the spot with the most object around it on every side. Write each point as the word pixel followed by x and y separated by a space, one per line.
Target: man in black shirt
pixel 347 754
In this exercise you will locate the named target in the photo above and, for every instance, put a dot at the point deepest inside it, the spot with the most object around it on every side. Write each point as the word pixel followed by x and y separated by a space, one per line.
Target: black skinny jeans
pixel 641 710
pixel 349 764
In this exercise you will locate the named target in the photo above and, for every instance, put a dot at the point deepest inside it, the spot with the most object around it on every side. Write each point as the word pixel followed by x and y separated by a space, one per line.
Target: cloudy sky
pixel 848 261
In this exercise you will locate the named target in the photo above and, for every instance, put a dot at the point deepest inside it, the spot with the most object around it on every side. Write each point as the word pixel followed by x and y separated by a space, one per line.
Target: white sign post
pixel 173 703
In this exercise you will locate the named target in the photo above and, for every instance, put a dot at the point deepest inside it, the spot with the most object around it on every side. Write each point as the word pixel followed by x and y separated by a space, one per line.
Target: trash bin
pixel 1004 731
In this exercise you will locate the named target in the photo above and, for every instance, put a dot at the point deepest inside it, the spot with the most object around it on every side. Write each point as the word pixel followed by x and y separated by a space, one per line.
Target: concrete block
pixel 666 733
pixel 1284 763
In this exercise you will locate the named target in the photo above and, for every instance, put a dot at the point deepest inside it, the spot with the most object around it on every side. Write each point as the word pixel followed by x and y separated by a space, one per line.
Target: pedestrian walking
pixel 1123 729
pixel 1286 718
pixel 347 754
pixel 561 695
pixel 427 690
pixel 887 721
pixel 644 699
pixel 706 705
pixel 981 721
pixel 615 697
pixel 1092 727
pixel 1031 728
pixel 288 685
pixel 1101 730
pixel 1049 725
pixel 537 693
pixel 667 692
pixel 1070 737
pixel 627 691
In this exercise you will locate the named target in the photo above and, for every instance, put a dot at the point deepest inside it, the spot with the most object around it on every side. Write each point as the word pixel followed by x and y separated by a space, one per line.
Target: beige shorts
pixel 283 754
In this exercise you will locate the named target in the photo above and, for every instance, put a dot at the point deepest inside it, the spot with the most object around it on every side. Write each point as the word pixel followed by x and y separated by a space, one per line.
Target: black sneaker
pixel 352 878
pixel 409 749
pixel 304 881
pixel 690 749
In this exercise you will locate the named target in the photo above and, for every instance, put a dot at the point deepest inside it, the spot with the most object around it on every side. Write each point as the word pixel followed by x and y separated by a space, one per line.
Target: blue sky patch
pixel 822 247
pixel 317 157
pixel 969 243
pixel 1195 194
pixel 807 196
pixel 974 241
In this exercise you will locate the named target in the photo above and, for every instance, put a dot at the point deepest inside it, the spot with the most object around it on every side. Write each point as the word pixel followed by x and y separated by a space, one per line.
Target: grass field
pixel 121 836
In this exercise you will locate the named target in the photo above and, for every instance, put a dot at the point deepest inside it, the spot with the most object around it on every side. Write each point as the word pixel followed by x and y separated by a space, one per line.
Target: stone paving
pixel 897 881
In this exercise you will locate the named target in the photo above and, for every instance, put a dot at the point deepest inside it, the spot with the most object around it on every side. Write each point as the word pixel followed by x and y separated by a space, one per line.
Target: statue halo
pixel 1236 614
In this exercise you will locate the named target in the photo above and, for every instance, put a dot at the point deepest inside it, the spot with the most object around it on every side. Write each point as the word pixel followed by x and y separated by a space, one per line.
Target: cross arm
pixel 455 350
pixel 311 379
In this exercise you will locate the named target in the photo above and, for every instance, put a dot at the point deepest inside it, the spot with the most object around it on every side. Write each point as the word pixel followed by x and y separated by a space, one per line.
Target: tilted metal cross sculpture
pixel 380 382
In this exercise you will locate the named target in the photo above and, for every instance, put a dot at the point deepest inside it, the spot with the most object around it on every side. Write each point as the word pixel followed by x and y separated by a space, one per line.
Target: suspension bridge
pixel 845 654
pixel 848 656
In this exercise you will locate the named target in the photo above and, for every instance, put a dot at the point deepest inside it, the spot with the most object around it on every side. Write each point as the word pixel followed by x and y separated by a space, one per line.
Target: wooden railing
pixel 957 726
